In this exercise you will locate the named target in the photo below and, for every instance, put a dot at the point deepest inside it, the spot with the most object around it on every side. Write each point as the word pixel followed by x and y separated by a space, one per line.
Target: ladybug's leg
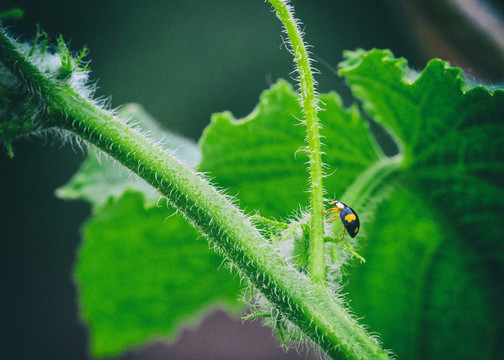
pixel 333 210
pixel 334 218
pixel 342 235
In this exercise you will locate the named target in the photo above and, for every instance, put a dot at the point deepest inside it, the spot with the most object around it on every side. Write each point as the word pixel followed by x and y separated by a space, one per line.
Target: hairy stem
pixel 308 304
pixel 316 265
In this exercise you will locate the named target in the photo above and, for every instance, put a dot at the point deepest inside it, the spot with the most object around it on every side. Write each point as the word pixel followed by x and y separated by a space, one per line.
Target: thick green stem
pixel 316 265
pixel 309 305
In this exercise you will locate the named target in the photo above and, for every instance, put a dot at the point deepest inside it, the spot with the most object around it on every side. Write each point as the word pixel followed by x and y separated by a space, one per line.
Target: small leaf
pixel 97 180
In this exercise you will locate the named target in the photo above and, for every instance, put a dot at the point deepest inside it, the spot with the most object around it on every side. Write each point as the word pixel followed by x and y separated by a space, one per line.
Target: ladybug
pixel 347 215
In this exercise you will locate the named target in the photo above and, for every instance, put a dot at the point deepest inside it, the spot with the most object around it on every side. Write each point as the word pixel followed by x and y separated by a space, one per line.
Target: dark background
pixel 182 60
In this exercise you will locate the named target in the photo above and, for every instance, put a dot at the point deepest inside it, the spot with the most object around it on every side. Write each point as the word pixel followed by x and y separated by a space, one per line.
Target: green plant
pixel 443 153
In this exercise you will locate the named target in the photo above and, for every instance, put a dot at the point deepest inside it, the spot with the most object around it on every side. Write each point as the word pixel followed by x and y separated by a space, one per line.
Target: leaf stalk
pixel 316 265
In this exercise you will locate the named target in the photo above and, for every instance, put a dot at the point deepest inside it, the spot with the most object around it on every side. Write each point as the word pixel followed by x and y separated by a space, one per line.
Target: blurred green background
pixel 182 61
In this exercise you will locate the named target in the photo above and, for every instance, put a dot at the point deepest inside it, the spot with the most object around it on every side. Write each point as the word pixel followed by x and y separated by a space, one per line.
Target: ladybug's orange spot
pixel 350 217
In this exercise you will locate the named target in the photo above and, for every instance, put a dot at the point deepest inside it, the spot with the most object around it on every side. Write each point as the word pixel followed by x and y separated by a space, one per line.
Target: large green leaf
pixel 451 133
pixel 142 275
pixel 422 289
pixel 436 251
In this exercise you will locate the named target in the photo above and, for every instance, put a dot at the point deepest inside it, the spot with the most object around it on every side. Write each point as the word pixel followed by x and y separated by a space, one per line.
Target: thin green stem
pixel 316 265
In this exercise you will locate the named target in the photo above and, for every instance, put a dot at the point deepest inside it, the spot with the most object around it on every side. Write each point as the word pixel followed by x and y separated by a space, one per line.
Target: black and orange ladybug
pixel 347 215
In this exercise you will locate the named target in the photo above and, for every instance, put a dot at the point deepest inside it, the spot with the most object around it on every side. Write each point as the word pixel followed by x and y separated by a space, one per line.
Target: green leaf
pixel 451 133
pixel 435 257
pixel 261 157
pixel 143 274
pixel 426 293
pixel 99 179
